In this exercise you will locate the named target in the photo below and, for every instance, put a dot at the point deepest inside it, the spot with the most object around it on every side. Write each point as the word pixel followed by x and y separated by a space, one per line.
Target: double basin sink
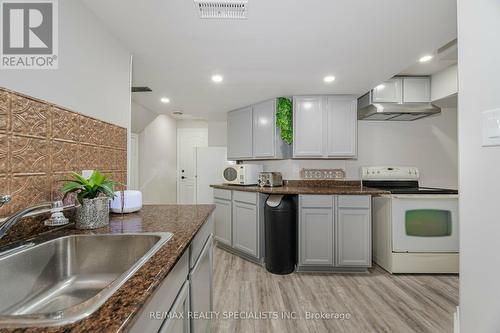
pixel 58 281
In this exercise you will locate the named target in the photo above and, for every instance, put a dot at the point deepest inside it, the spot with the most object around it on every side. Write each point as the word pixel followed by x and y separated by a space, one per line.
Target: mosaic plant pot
pixel 93 213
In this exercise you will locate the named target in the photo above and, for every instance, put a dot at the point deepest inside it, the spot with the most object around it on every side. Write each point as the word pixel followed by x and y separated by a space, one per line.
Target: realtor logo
pixel 29 34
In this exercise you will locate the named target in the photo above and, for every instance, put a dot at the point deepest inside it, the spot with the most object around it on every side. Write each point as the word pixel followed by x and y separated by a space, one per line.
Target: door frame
pixel 134 162
pixel 178 174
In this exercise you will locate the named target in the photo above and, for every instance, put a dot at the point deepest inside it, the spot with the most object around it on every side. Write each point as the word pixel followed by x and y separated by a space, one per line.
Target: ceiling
pixel 443 58
pixel 285 47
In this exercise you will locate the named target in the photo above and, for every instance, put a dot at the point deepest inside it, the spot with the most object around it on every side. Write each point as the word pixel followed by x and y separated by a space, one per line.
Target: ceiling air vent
pixel 222 9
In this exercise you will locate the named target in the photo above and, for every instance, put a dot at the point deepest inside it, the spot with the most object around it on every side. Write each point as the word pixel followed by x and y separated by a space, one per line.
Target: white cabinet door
pixel 245 228
pixel 239 134
pixel 178 320
pixel 341 126
pixel 264 129
pixel 416 89
pixel 316 237
pixel 222 221
pixel 353 237
pixel 200 279
pixel 308 118
pixel 391 91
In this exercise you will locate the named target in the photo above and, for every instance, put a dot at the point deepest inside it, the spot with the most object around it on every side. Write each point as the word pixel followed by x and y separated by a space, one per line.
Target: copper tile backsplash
pixel 41 143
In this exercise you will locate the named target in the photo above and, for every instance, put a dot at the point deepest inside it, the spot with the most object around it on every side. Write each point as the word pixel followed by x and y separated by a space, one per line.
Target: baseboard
pixel 434 263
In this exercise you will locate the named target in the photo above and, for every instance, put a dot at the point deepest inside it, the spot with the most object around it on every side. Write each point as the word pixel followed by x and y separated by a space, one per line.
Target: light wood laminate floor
pixel 375 301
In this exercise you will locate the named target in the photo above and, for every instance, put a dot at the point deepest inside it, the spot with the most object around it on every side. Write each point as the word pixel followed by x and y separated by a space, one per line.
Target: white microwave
pixel 242 174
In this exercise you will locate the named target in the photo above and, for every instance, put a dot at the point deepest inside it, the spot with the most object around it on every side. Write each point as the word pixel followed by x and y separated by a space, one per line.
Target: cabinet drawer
pixel 200 239
pixel 246 197
pixel 316 201
pixel 222 194
pixel 163 297
pixel 354 201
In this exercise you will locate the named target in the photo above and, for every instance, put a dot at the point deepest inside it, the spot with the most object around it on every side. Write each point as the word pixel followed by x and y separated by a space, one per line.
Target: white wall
pixel 217 133
pixel 94 69
pixel 429 144
pixel 444 83
pixel 158 161
pixel 141 117
pixel 479 90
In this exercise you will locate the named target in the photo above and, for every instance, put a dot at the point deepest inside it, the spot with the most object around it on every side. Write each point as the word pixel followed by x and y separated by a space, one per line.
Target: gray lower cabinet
pixel 334 232
pixel 178 317
pixel 353 237
pixel 186 289
pixel 239 221
pixel 245 227
pixel 316 236
pixel 200 280
pixel 223 221
pixel 353 230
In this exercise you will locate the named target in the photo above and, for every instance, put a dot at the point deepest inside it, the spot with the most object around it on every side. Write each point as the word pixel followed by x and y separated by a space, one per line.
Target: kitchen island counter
pixel 117 313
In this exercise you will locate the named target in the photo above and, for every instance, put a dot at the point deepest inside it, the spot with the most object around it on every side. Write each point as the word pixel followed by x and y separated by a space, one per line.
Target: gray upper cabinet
pixel 341 126
pixel 239 134
pixel 403 89
pixel 325 126
pixel 308 126
pixel 353 231
pixel 416 89
pixel 264 129
pixel 390 91
pixel 253 134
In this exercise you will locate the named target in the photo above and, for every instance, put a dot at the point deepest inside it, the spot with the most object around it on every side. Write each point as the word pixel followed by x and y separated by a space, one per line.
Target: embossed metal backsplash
pixel 41 143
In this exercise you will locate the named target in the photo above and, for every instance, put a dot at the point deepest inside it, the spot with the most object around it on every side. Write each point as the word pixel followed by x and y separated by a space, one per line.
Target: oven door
pixel 425 223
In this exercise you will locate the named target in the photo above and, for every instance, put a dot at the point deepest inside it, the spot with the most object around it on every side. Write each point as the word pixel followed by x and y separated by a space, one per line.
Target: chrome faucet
pixel 56 208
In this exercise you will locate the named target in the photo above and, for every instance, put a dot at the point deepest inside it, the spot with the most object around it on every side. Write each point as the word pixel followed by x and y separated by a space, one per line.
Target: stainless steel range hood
pixel 400 98
pixel 395 111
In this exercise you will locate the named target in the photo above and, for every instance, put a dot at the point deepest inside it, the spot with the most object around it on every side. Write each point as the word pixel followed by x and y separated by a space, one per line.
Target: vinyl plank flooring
pixel 375 301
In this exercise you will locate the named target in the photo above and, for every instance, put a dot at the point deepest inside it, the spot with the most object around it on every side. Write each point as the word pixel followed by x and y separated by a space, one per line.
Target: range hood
pixel 395 111
pixel 402 98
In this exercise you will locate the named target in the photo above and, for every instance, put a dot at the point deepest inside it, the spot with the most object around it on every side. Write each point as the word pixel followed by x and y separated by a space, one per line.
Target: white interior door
pixel 134 162
pixel 187 140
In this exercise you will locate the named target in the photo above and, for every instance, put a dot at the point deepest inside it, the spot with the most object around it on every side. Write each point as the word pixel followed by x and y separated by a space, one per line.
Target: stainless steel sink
pixel 62 280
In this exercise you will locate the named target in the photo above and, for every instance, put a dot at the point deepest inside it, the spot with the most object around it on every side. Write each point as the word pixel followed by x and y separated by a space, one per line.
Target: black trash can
pixel 280 216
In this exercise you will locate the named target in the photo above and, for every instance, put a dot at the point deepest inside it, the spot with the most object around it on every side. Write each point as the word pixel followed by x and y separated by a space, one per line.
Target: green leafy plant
pixel 90 188
pixel 284 118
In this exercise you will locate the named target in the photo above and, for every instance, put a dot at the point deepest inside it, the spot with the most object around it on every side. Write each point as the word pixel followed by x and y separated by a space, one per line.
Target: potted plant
pixel 93 194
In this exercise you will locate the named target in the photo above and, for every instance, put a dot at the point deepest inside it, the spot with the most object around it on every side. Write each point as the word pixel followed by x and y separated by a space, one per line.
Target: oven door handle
pixel 425 196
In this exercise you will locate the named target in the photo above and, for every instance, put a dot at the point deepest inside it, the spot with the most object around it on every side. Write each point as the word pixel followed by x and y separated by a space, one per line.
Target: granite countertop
pixel 117 313
pixel 326 187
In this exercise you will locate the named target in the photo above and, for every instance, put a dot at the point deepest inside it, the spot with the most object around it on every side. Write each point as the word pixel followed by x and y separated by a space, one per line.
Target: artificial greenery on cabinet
pixel 284 118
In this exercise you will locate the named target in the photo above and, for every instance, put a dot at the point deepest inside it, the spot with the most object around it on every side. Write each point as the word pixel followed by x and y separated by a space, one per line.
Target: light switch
pixel 491 127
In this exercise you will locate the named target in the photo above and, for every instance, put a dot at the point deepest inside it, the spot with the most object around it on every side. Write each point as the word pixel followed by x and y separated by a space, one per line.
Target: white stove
pixel 415 228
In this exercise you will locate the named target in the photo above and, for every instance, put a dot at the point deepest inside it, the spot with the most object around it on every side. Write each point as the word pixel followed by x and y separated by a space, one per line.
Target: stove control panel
pixel 389 173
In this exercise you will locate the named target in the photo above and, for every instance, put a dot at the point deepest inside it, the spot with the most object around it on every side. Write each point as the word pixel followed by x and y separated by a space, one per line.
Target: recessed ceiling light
pixel 165 100
pixel 329 78
pixel 425 58
pixel 217 78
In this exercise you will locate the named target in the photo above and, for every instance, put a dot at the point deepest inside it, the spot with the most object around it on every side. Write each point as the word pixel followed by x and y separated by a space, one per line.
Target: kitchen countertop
pixel 309 187
pixel 117 313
